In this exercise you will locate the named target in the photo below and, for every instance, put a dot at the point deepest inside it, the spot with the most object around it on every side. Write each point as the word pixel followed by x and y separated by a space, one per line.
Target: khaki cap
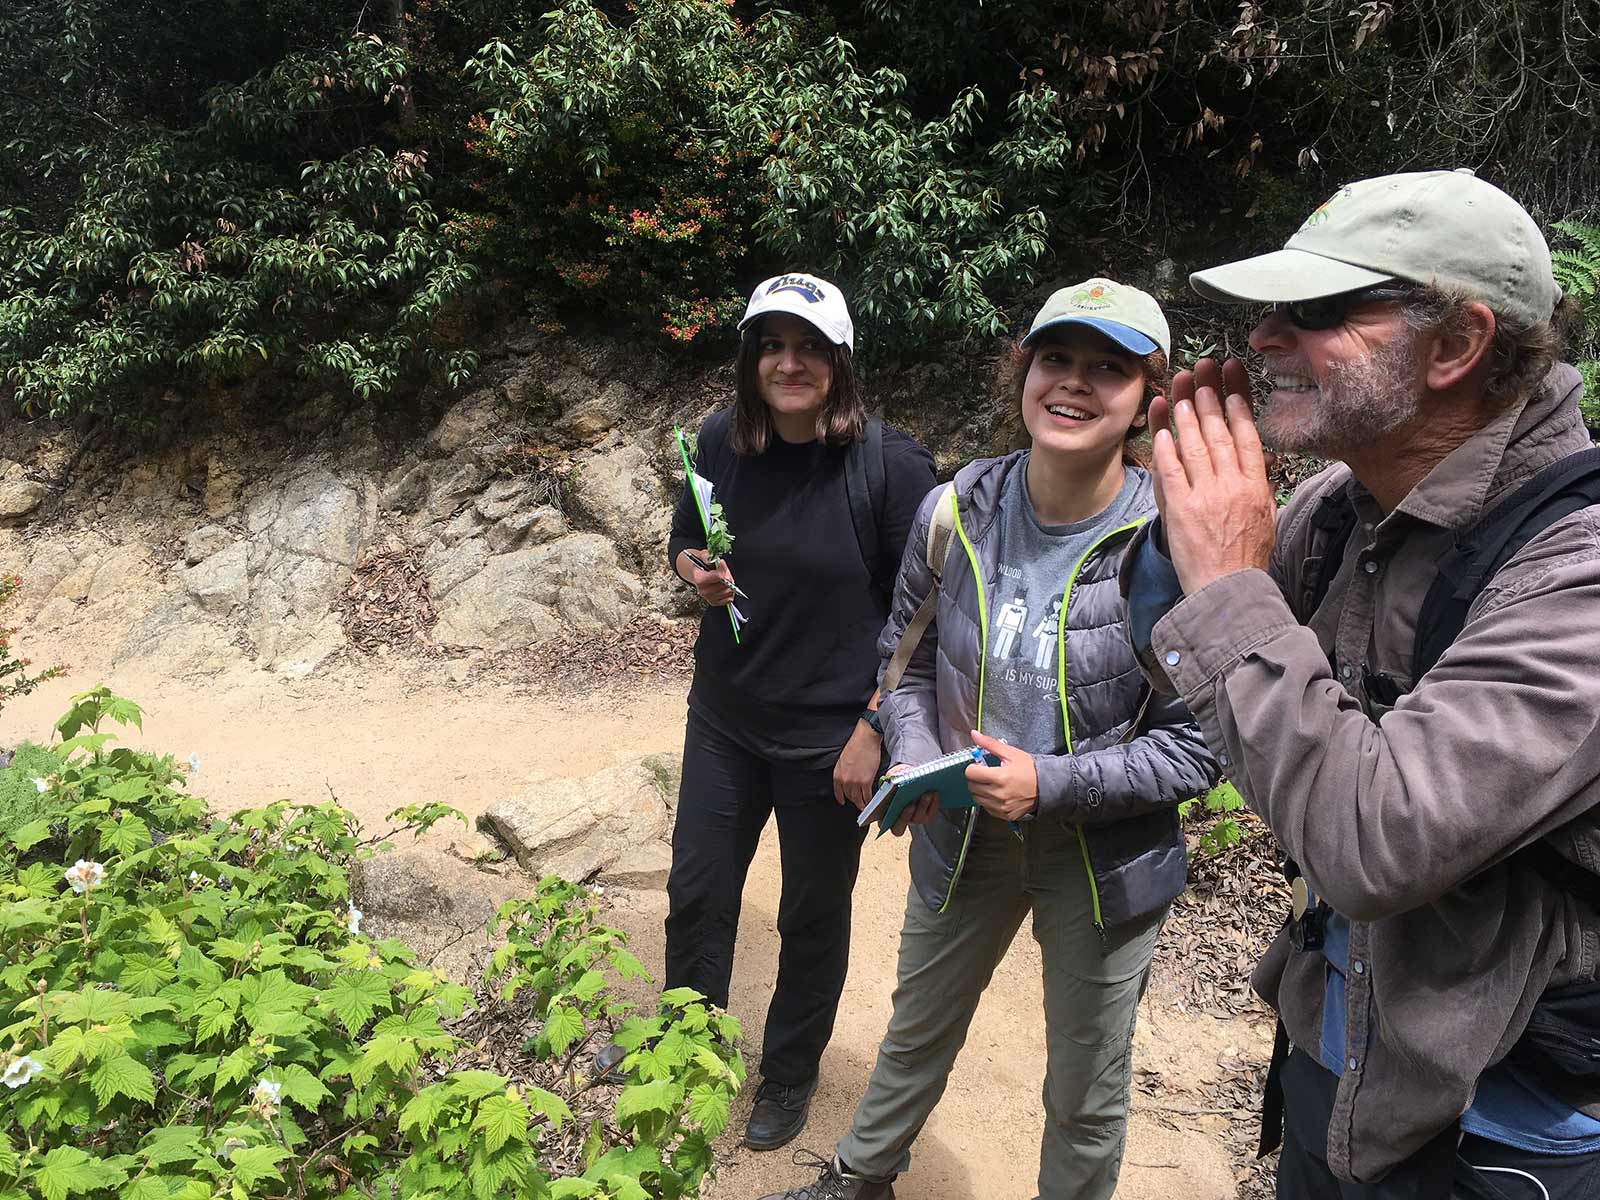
pixel 1126 315
pixel 1446 228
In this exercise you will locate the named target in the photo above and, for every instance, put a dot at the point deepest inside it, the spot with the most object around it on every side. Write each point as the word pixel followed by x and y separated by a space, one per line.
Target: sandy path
pixel 380 736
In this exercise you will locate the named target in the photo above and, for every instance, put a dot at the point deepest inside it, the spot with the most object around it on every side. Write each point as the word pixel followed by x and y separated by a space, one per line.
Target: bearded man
pixel 1401 673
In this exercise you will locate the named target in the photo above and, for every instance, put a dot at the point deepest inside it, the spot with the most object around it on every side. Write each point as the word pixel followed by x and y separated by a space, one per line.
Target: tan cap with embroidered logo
pixel 1446 228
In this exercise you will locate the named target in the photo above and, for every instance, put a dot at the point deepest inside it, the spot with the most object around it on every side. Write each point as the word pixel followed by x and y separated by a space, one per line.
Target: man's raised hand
pixel 1217 508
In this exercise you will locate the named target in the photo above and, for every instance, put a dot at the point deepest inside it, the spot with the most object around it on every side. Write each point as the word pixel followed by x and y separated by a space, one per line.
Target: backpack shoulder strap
pixel 865 486
pixel 1558 491
pixel 941 528
pixel 1331 526
pixel 1562 488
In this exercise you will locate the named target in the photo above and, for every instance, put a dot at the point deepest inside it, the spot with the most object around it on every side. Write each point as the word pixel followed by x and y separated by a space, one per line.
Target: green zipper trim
pixel 1061 692
pixel 983 660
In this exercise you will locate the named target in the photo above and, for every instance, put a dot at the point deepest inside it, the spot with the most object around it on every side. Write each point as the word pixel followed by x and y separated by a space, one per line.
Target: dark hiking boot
pixel 834 1182
pixel 779 1114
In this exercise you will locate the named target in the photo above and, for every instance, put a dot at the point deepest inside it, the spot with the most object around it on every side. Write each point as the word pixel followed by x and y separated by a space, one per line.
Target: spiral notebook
pixel 946 776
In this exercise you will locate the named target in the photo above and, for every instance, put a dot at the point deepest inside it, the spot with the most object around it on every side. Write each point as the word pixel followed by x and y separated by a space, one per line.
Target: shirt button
pixel 1350 1063
pixel 1370 567
pixel 1172 658
pixel 1359 967
pixel 1224 760
pixel 1346 671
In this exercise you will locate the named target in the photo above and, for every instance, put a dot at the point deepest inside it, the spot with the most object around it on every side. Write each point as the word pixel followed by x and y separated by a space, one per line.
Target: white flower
pixel 267 1095
pixel 42 784
pixel 229 1146
pixel 19 1070
pixel 352 919
pixel 194 764
pixel 84 876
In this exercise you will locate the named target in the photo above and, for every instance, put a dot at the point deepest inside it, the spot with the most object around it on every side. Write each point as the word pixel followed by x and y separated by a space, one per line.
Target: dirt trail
pixel 381 735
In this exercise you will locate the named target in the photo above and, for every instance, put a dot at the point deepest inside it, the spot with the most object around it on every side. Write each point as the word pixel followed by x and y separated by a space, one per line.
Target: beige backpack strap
pixel 941 527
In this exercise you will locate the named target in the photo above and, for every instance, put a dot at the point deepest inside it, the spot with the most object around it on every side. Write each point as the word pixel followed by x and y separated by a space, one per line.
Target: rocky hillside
pixel 536 502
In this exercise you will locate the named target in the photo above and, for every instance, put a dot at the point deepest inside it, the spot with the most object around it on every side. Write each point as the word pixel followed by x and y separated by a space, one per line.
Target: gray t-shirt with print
pixel 1021 704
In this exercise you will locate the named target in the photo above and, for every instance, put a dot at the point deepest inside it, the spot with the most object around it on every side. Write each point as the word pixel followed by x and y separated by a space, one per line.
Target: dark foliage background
pixel 355 194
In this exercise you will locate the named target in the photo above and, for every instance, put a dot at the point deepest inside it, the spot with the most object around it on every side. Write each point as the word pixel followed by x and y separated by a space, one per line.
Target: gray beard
pixel 1362 402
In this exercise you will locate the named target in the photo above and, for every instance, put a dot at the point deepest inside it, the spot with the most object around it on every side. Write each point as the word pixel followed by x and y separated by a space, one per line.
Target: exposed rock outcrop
pixel 615 825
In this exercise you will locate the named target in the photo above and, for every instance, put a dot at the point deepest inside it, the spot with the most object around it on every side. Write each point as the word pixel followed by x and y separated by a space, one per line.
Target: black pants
pixel 724 800
pixel 1472 1168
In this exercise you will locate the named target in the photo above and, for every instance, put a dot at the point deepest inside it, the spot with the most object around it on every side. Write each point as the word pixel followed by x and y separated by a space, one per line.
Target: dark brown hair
pixel 1013 375
pixel 841 420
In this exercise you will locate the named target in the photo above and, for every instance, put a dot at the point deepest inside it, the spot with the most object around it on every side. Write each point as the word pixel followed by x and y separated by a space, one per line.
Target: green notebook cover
pixel 946 776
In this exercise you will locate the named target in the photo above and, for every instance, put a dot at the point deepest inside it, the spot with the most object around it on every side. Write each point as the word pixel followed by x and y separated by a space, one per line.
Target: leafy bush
pixel 20 798
pixel 210 252
pixel 651 159
pixel 189 1009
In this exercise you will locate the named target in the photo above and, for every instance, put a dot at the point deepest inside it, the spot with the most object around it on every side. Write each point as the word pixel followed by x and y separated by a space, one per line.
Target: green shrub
pixel 20 798
pixel 189 1009
pixel 249 241
pixel 645 162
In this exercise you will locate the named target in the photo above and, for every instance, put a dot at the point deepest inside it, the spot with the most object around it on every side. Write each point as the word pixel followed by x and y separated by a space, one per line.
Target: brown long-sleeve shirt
pixel 1404 818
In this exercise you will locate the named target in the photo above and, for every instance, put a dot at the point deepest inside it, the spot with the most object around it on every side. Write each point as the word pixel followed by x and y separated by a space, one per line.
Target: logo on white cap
pixel 808 297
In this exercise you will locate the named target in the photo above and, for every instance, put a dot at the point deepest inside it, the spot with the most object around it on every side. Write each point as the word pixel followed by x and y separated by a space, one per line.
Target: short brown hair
pixel 1018 360
pixel 841 420
pixel 1520 355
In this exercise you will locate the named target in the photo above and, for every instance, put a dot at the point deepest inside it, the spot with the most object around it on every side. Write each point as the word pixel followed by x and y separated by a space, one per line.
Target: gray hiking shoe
pixel 834 1182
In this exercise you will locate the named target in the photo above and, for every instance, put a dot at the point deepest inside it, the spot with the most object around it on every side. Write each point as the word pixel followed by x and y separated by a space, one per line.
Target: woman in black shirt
pixel 784 719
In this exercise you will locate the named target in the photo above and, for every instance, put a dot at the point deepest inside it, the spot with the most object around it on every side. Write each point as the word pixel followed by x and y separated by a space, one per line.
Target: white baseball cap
pixel 807 297
pixel 1445 228
pixel 1129 317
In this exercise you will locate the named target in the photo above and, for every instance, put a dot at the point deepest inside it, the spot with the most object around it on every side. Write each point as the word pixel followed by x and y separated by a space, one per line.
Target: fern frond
pixel 1577 275
pixel 1587 236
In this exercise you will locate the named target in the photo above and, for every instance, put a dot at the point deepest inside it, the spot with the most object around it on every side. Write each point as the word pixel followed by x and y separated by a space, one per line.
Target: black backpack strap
pixel 1558 491
pixel 1331 527
pixel 865 482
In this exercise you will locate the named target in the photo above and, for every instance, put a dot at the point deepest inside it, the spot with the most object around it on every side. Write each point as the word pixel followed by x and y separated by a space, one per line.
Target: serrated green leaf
pixel 475 1085
pixel 67 1170
pixel 93 1007
pixel 562 1027
pixel 422 1111
pixel 354 996
pixel 146 1187
pixel 145 974
pixel 173 1143
pixel 708 1106
pixel 659 1095
pixel 548 1103
pixel 500 1119
pixel 121 1075
pixel 588 984
pixel 300 1085
pixel 254 1163
pixel 25 837
pixel 234 1066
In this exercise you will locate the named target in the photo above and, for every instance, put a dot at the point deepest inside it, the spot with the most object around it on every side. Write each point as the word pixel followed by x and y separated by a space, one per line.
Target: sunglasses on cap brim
pixel 1327 311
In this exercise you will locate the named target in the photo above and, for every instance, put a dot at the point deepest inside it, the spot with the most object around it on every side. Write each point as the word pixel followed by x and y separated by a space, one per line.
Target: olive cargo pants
pixel 1091 996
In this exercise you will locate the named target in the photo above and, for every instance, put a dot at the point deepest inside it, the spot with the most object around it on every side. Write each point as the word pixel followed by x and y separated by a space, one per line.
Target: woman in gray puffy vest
pixel 1026 655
